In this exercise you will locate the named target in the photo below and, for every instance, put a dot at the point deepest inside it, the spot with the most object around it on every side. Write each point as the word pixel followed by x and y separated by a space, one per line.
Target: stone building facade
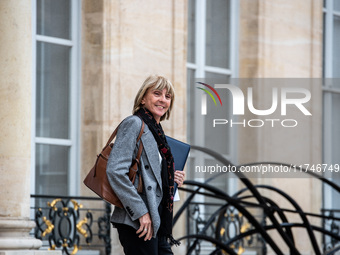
pixel 118 43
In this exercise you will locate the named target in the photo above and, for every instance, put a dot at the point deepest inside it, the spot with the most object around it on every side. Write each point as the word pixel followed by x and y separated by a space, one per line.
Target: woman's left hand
pixel 179 177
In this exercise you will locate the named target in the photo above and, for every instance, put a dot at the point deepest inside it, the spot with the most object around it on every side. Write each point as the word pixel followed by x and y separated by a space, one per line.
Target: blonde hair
pixel 155 82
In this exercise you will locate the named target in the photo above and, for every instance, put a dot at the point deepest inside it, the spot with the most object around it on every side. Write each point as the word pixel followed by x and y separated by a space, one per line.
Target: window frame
pixel 200 67
pixel 74 114
pixel 328 92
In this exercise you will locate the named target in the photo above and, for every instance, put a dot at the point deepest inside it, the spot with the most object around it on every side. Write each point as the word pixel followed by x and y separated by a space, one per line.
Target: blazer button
pixel 146 166
pixel 149 188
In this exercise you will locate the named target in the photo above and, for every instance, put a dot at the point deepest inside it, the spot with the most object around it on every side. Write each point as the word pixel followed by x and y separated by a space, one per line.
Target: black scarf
pixel 166 214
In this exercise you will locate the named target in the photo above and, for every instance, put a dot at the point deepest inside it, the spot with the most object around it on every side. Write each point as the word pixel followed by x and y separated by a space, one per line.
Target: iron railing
pixel 231 226
pixel 217 223
pixel 331 222
pixel 221 223
pixel 72 223
pixel 64 223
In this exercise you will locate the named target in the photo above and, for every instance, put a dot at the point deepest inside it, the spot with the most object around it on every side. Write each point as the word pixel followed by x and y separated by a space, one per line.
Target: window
pixel 211 54
pixel 56 96
pixel 331 95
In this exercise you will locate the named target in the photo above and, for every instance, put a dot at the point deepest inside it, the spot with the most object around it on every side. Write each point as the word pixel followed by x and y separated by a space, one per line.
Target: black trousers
pixel 133 245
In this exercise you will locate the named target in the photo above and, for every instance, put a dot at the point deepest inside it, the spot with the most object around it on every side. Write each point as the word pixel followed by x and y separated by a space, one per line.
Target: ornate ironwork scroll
pixel 63 223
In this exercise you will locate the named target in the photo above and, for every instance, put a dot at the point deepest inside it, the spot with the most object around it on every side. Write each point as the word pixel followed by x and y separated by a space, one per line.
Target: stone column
pixel 15 128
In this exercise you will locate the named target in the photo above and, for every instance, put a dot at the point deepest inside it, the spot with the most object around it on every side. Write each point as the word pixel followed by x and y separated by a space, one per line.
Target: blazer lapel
pixel 152 154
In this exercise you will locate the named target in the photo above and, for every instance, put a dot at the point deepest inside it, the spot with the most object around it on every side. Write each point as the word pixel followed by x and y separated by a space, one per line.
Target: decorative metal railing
pixel 331 222
pixel 64 223
pixel 217 223
pixel 221 223
pixel 246 219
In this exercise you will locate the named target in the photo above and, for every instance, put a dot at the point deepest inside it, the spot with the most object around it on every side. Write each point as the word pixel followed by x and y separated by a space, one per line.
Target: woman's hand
pixel 145 228
pixel 179 177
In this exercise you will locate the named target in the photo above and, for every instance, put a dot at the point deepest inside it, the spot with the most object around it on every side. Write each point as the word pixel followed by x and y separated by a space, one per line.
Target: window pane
pixel 336 47
pixel 52 163
pixel 335 144
pixel 53 91
pixel 218 138
pixel 323 45
pixel 336 5
pixel 218 33
pixel 336 128
pixel 191 100
pixel 54 18
pixel 190 173
pixel 191 31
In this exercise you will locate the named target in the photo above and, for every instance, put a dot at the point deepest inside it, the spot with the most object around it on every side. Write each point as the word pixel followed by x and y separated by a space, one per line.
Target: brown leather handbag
pixel 97 180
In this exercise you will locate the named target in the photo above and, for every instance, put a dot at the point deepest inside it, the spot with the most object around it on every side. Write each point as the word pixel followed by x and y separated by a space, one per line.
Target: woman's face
pixel 157 102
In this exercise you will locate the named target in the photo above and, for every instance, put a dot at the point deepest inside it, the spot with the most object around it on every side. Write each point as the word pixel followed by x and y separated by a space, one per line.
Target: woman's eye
pixel 168 96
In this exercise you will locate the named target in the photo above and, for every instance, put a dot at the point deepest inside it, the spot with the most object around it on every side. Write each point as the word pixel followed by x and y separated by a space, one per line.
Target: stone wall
pixel 122 43
pixel 283 39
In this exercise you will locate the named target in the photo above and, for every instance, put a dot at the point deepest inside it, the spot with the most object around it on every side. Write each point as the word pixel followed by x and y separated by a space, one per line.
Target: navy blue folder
pixel 180 152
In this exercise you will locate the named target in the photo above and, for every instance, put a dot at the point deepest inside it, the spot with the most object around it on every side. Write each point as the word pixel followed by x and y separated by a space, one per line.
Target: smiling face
pixel 157 102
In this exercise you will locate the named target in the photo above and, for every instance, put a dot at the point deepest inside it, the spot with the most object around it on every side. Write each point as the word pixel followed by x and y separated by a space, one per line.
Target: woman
pixel 145 223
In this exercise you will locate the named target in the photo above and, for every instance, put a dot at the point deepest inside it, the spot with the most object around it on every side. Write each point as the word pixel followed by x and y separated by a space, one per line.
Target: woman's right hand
pixel 145 228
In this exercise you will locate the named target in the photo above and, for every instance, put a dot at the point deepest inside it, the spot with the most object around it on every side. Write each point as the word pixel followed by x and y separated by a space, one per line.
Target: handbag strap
pixel 140 148
pixel 132 171
pixel 113 135
pixel 141 132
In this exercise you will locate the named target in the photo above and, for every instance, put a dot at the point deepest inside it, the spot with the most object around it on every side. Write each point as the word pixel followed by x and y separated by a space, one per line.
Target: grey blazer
pixel 123 151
